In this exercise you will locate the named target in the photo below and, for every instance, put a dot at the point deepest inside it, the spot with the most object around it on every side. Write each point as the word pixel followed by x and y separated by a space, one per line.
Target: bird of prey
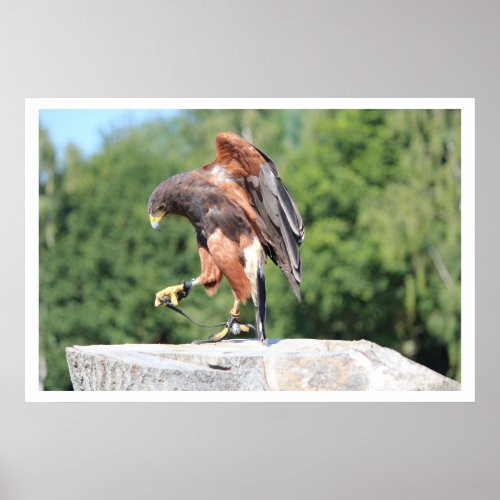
pixel 242 213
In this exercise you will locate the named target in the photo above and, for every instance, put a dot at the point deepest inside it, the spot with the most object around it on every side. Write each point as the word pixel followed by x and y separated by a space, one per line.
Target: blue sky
pixel 85 127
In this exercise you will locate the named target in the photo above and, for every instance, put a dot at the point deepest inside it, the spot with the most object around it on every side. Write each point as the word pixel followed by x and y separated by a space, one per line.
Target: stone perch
pixel 247 365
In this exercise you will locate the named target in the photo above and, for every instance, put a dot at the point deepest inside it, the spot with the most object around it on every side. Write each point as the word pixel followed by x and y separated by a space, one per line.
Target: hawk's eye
pixel 161 207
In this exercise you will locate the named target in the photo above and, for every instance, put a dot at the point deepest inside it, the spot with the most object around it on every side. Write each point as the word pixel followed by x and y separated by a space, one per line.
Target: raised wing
pixel 279 223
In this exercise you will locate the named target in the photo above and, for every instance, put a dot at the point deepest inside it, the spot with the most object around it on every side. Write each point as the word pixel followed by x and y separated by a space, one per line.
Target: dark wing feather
pixel 279 222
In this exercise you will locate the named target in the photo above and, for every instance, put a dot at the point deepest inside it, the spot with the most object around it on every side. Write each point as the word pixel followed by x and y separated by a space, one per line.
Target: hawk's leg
pixel 174 293
pixel 235 311
pixel 227 330
pixel 232 326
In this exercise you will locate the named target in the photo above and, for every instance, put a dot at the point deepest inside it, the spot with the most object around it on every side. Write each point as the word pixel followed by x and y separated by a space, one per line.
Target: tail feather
pixel 260 306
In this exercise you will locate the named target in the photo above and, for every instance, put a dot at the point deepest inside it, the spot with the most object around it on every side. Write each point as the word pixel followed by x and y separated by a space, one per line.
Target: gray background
pixel 238 49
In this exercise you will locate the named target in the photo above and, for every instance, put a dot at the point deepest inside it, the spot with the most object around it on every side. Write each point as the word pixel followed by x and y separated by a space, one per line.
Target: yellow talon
pixel 170 291
pixel 217 337
pixel 244 328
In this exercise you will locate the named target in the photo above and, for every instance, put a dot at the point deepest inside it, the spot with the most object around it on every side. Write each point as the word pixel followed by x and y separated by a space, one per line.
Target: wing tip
pixel 296 291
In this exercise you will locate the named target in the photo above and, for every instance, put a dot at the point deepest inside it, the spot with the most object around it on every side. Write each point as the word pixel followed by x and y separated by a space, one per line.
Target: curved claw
pixel 170 292
pixel 244 328
pixel 217 337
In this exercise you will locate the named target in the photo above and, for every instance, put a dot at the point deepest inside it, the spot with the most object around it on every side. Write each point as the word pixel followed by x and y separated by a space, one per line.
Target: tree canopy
pixel 379 191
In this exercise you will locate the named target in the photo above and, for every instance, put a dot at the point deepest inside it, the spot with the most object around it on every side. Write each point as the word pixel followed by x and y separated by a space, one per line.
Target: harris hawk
pixel 242 213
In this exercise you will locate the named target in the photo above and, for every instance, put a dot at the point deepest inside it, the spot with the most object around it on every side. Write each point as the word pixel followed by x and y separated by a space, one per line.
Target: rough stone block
pixel 247 365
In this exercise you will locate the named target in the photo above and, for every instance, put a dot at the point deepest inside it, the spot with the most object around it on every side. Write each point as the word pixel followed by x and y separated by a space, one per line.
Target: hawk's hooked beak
pixel 155 220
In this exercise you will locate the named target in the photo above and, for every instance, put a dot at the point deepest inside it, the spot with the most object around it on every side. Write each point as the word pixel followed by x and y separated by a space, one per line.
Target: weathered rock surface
pixel 247 365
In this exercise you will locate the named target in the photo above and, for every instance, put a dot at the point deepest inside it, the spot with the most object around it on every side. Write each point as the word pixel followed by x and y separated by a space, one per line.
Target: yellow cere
pixel 157 217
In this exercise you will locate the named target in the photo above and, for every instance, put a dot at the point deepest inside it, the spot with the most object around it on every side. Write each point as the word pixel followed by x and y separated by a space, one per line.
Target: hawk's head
pixel 157 206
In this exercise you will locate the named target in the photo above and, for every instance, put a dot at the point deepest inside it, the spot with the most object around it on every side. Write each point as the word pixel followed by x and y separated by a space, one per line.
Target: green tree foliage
pixel 379 192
